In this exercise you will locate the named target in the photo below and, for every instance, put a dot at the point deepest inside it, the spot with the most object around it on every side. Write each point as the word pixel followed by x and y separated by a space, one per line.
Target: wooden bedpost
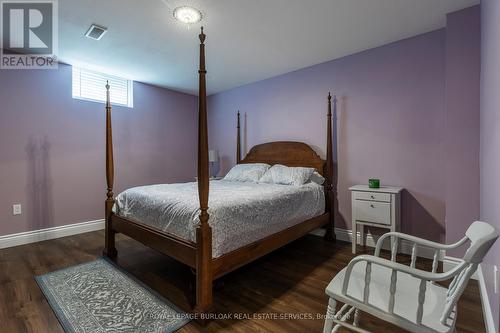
pixel 331 184
pixel 204 301
pixel 109 240
pixel 238 141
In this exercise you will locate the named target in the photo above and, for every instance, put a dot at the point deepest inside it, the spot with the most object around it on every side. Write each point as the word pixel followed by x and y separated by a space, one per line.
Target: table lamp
pixel 213 159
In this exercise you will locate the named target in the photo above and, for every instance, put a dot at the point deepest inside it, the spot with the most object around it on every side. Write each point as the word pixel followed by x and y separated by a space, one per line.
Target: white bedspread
pixel 240 213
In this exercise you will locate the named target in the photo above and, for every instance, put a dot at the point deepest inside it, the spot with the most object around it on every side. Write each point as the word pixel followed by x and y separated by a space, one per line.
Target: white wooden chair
pixel 404 295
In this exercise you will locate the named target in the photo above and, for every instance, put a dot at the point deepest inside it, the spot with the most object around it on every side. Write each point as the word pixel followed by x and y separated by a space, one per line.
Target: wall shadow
pixel 40 206
pixel 340 152
pixel 416 219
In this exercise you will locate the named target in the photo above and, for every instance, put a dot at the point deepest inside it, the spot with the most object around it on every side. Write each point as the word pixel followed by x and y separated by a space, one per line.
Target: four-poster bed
pixel 198 252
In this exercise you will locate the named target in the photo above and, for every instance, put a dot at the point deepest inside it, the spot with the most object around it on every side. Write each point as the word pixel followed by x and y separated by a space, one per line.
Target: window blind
pixel 90 85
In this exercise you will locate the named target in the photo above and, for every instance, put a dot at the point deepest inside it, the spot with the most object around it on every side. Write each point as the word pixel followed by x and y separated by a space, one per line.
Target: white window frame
pixel 76 74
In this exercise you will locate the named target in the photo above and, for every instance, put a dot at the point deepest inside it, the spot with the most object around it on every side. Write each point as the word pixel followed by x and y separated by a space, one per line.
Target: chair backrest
pixel 481 236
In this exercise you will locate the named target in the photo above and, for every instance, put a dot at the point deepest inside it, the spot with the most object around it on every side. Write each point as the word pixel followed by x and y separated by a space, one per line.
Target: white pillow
pixel 250 172
pixel 317 178
pixel 280 174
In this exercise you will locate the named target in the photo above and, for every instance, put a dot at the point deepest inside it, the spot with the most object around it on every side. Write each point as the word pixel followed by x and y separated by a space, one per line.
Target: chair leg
pixel 330 314
pixel 357 315
pixel 342 316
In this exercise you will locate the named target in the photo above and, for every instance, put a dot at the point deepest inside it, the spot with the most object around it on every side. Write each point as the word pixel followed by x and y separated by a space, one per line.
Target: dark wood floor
pixel 289 281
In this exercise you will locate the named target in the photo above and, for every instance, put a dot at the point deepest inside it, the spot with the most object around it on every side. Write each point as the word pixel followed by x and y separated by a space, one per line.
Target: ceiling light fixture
pixel 188 15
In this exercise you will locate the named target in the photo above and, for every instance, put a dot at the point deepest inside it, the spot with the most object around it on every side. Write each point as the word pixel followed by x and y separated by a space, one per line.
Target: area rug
pixel 99 297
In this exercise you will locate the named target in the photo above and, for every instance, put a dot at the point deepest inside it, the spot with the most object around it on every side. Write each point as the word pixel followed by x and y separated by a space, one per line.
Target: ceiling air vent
pixel 95 32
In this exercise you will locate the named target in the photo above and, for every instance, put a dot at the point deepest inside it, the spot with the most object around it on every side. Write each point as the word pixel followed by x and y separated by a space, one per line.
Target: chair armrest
pixel 417 273
pixel 416 240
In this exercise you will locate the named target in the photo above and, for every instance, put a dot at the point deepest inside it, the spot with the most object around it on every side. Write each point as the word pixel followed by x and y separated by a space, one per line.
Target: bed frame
pixel 198 255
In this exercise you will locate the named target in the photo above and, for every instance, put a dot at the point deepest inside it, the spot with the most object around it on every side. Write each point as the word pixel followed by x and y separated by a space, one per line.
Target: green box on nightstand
pixel 374 183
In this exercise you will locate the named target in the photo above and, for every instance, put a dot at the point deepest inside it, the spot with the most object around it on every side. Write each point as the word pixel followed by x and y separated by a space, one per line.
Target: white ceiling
pixel 247 40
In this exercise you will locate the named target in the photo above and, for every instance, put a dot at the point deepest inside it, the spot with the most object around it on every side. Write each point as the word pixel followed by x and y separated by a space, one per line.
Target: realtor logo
pixel 28 34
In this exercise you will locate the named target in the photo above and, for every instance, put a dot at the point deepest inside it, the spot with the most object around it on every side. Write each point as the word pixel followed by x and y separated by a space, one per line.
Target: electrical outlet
pixel 17 209
pixel 495 276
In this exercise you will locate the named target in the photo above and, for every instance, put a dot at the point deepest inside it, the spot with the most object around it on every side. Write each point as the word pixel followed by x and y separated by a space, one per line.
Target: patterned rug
pixel 99 297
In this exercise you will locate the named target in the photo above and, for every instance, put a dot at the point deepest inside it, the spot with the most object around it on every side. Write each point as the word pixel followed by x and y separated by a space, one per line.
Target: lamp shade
pixel 213 155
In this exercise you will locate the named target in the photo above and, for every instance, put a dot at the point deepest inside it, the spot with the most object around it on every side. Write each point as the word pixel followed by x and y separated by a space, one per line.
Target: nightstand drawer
pixel 374 212
pixel 376 196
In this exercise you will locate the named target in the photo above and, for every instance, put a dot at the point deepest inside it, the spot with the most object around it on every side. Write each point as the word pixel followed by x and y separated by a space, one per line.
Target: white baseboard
pixel 50 233
pixel 371 240
pixel 485 302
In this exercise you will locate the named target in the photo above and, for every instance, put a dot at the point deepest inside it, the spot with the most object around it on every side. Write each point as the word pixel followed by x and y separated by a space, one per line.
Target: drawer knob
pixel 372 206
pixel 372 196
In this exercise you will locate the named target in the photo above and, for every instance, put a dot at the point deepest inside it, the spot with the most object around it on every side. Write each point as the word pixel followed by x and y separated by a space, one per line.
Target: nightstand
pixel 375 207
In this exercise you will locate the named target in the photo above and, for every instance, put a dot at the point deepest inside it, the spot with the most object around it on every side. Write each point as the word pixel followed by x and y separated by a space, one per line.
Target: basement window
pixel 91 86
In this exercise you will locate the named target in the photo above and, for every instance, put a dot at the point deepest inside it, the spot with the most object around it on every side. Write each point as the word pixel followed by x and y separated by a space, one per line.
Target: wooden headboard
pixel 293 154
pixel 302 155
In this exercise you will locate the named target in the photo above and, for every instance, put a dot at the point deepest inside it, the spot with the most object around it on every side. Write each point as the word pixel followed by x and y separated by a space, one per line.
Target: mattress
pixel 240 213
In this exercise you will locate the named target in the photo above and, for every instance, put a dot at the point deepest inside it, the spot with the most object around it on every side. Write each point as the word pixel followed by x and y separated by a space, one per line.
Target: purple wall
pixel 463 67
pixel 52 147
pixel 490 136
pixel 408 114
pixel 391 122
